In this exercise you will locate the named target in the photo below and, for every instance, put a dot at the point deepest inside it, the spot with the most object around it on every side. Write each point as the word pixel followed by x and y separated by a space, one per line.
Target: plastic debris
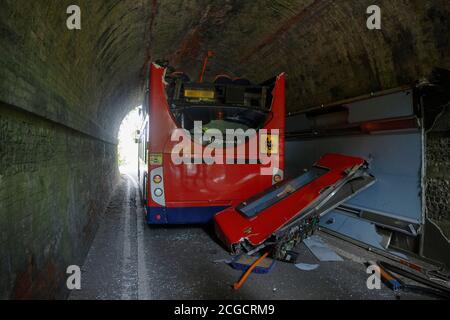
pixel 223 261
pixel 306 266
pixel 243 262
pixel 321 250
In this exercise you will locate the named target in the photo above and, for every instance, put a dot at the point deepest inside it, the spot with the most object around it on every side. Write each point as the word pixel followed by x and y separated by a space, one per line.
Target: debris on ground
pixel 306 266
pixel 249 271
pixel 226 261
pixel 244 262
pixel 321 250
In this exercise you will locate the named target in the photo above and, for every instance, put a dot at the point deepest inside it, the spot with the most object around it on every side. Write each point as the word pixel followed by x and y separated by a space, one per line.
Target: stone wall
pixel 438 173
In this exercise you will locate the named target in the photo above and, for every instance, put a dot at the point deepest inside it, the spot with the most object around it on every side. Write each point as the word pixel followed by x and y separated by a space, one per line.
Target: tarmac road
pixel 130 260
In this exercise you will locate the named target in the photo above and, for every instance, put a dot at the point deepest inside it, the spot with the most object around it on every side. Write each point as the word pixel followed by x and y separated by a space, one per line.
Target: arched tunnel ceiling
pixel 89 79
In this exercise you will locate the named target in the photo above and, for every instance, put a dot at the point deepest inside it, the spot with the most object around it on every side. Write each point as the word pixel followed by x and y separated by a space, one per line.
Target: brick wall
pixel 63 95
pixel 54 184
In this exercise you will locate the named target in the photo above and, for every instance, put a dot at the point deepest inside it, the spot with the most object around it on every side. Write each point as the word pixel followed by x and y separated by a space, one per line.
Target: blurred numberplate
pixel 156 159
pixel 269 144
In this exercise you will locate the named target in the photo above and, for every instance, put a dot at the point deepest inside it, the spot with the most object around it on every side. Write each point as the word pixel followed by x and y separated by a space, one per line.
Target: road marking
pixel 143 280
pixel 127 259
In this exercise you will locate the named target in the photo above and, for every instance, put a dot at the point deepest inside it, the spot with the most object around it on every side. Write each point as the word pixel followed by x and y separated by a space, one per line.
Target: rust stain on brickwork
pixel 309 12
pixel 194 45
pixel 35 283
pixel 151 23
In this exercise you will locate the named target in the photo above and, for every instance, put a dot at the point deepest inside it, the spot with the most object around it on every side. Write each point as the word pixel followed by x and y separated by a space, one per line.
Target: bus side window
pixel 140 147
pixel 146 153
pixel 146 144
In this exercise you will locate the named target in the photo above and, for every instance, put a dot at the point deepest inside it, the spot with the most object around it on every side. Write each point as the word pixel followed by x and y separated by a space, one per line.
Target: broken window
pixel 279 192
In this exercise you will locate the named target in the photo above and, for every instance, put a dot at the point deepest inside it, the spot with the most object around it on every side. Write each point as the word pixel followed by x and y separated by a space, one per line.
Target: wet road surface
pixel 130 260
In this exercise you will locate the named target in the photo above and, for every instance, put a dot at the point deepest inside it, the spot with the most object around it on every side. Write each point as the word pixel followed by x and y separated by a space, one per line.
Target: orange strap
pixel 239 284
pixel 385 274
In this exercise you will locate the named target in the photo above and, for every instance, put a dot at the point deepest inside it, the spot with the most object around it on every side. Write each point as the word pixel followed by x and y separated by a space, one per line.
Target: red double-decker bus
pixel 195 190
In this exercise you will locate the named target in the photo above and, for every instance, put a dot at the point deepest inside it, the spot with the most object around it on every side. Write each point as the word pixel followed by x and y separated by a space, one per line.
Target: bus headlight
pixel 157 186
pixel 158 192
pixel 157 179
